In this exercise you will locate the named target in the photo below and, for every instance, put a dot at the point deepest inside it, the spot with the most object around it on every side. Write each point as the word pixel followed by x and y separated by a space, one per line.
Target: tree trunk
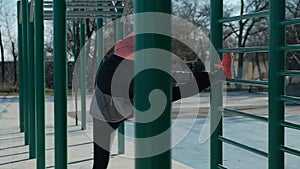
pixel 260 77
pixel 78 41
pixel 15 62
pixel 241 57
pixel 240 65
pixel 240 44
pixel 2 58
pixel 88 51
pixel 264 63
pixel 253 68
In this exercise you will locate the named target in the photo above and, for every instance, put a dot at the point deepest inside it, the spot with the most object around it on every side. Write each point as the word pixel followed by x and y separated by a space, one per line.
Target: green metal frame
pixel 60 84
pixel 216 147
pixel 32 83
pixel 276 83
pixel 25 68
pixel 83 74
pixel 75 52
pixel 31 87
pixel 152 80
pixel 39 66
pixel 279 25
pixel 20 68
pixel 31 114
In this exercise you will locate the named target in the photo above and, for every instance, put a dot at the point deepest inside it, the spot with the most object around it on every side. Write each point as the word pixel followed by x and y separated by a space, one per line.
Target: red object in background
pixel 226 64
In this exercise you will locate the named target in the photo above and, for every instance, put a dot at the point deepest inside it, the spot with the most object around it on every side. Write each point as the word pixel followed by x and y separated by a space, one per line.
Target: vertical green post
pixel 276 83
pixel 20 68
pixel 75 72
pixel 216 35
pixel 83 75
pixel 31 87
pixel 25 69
pixel 147 81
pixel 39 66
pixel 60 84
pixel 121 129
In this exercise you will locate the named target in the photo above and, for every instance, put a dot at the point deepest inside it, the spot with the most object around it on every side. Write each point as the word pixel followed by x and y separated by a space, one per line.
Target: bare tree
pixel 12 40
pixel 193 11
pixel 199 14
pixel 248 27
pixel 293 33
pixel 2 59
pixel 8 40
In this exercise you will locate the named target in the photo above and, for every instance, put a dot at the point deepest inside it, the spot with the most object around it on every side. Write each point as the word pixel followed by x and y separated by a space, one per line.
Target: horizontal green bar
pixel 290 125
pixel 244 147
pixel 221 166
pixel 246 16
pixel 292 99
pixel 290 73
pixel 291 22
pixel 81 2
pixel 290 151
pixel 82 18
pixel 86 6
pixel 243 114
pixel 290 48
pixel 249 82
pixel 245 49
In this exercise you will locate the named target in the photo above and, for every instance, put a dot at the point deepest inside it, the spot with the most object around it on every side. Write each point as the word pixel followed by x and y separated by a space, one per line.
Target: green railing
pixel 282 73
pixel 276 84
pixel 217 26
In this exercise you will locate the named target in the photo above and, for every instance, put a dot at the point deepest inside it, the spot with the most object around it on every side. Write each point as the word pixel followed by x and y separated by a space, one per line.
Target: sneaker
pixel 226 65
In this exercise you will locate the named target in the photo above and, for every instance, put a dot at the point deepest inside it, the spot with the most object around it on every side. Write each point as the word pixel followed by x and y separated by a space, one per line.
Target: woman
pixel 111 104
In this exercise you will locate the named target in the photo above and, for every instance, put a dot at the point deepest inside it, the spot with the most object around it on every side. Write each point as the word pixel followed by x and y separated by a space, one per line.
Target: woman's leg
pixel 103 135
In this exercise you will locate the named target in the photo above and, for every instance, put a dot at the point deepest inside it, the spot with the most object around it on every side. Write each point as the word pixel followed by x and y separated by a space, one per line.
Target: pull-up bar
pixel 84 14
pixel 108 9
pixel 86 6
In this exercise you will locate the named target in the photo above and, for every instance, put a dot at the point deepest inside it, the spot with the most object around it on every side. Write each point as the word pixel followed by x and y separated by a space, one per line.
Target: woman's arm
pixel 190 88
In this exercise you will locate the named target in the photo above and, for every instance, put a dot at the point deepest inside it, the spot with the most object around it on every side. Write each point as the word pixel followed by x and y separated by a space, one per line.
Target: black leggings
pixel 103 135
pixel 104 131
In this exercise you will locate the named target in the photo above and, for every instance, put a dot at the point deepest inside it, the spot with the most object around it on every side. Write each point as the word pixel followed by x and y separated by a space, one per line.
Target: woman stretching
pixel 112 104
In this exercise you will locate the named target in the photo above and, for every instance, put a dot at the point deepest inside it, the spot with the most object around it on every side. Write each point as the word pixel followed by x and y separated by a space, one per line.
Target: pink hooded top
pixel 124 48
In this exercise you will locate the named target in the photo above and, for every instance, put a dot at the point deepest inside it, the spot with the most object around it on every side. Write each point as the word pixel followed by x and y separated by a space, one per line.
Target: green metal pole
pixel 276 83
pixel 121 129
pixel 31 87
pixel 60 84
pixel 20 69
pixel 83 75
pixel 25 70
pixel 75 71
pixel 39 66
pixel 216 35
pixel 149 80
